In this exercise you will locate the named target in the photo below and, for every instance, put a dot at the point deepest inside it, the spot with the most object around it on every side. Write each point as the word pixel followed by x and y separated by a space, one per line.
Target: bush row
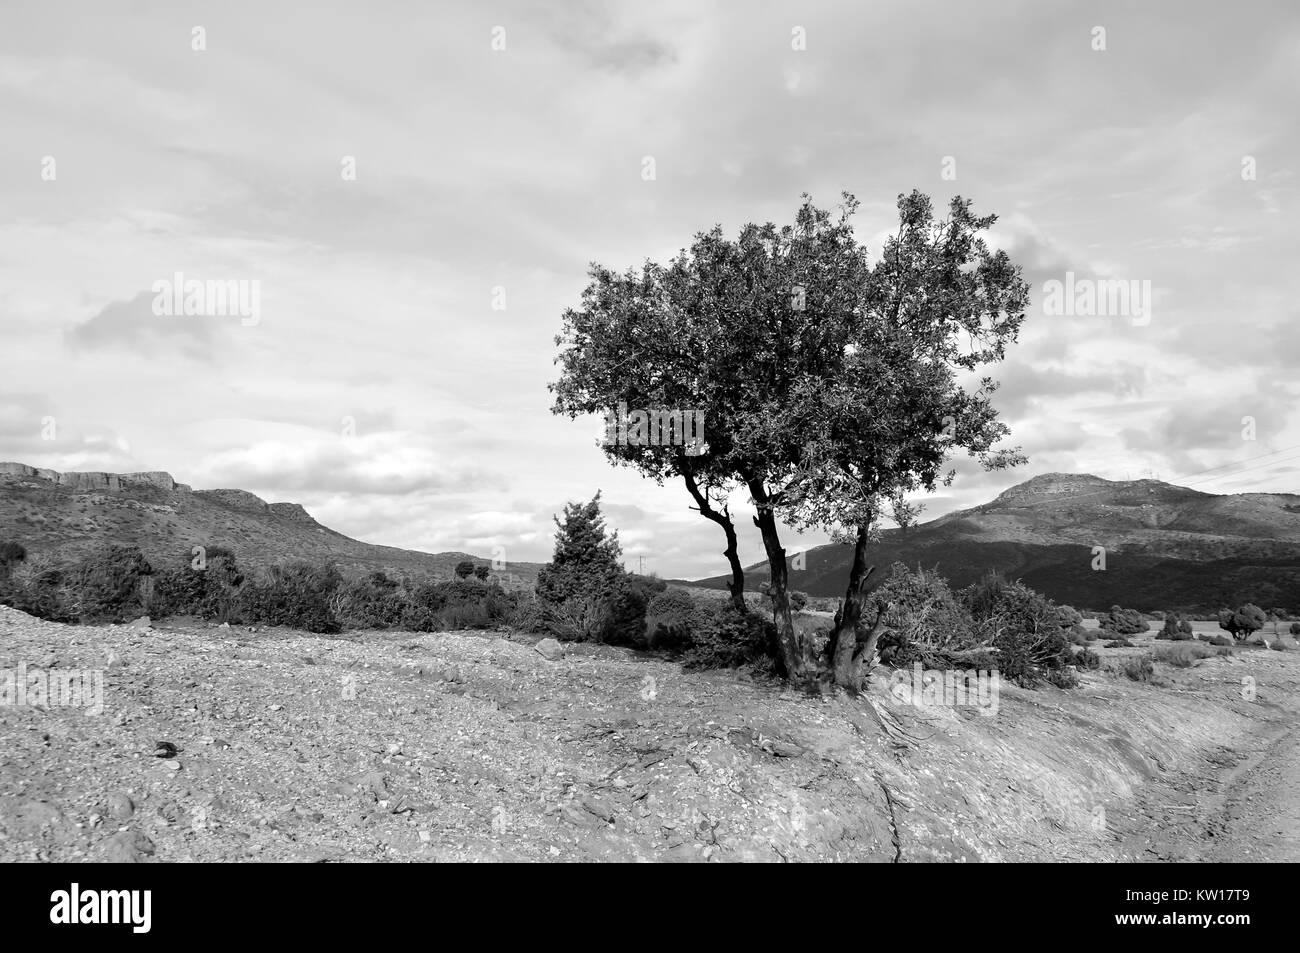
pixel 116 583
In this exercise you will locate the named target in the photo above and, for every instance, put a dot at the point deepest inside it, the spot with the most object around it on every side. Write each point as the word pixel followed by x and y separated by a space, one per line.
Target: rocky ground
pixel 224 744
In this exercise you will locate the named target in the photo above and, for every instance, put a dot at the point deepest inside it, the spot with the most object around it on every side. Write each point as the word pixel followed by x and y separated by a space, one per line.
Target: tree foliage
pixel 832 387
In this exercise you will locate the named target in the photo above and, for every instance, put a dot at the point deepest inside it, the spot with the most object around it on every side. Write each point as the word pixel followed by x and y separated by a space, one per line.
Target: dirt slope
pixel 466 746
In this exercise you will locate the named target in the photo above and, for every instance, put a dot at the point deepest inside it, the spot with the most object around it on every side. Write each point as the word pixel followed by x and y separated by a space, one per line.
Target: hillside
pixel 68 513
pixel 1167 547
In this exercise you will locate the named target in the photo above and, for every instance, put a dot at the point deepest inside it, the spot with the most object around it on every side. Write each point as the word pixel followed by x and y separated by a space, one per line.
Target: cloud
pixel 132 326
pixel 384 464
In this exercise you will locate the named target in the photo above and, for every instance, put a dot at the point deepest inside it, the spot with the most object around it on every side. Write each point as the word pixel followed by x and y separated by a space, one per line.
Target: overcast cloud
pixel 381 389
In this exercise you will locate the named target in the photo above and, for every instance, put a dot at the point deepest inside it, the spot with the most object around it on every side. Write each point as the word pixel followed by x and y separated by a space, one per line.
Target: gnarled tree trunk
pixel 737 585
pixel 850 646
pixel 793 655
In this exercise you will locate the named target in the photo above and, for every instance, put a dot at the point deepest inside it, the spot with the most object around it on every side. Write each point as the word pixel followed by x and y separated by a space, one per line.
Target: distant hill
pixel 68 513
pixel 1167 547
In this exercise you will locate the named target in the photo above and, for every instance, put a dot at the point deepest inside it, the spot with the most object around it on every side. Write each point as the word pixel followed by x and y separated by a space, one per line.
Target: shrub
pixel 11 553
pixel 38 586
pixel 1024 627
pixel 1295 628
pixel 1124 621
pixel 725 637
pixel 798 600
pixel 464 568
pixel 370 602
pixel 670 620
pixel 295 594
pixel 1072 621
pixel 1175 629
pixel 210 592
pixel 482 572
pixel 464 616
pixel 105 584
pixel 1086 659
pixel 1242 622
pixel 526 616
pixel 925 621
pixel 1139 669
pixel 1218 640
pixel 1119 644
pixel 1184 656
pixel 441 606
pixel 1062 677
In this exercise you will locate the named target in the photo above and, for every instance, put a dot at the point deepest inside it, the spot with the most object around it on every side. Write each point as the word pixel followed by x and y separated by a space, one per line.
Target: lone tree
pixel 464 569
pixel 1242 622
pixel 832 388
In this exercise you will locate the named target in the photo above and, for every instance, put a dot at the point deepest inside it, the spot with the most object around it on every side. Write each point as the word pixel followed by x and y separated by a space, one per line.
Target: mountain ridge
pixel 66 514
pixel 1166 546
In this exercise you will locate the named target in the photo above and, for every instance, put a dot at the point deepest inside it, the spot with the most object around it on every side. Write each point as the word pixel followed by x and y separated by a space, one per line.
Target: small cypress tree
pixel 584 592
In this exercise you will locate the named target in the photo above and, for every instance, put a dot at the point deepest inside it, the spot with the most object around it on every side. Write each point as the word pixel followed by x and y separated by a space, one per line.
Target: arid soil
pixel 223 744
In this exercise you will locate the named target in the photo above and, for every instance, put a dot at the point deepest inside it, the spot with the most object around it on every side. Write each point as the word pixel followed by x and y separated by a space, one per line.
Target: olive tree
pixel 831 387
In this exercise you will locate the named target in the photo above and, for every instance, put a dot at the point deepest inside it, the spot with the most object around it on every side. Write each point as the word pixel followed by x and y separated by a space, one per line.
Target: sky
pixel 416 191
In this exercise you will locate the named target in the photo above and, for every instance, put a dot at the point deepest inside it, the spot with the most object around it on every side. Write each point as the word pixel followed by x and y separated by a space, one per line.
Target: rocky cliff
pixel 94 479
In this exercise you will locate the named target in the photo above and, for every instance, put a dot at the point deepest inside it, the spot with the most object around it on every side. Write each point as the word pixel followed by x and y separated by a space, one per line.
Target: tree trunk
pixel 792 650
pixel 849 647
pixel 737 585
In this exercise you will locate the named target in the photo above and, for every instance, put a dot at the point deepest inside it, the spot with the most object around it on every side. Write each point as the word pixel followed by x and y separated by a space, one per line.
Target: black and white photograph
pixel 610 432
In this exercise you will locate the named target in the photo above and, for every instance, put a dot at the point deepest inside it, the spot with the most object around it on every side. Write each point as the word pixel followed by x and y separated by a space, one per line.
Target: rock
pixel 291 511
pixel 779 747
pixel 550 649
pixel 119 806
pixel 164 749
pixel 579 818
pixel 90 481
pixel 682 854
pixel 599 808
pixel 126 847
pixel 154 478
pixel 144 622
